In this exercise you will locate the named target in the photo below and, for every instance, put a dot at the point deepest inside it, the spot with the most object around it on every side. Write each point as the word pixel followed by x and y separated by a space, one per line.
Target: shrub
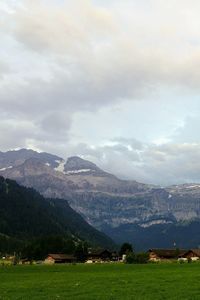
pixel 139 258
pixel 142 258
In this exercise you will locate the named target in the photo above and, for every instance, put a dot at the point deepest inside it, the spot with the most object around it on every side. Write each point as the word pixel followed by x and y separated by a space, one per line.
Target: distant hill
pixel 183 235
pixel 25 214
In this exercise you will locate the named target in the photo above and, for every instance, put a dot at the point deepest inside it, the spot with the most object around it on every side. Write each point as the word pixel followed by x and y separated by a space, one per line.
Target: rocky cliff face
pixel 103 199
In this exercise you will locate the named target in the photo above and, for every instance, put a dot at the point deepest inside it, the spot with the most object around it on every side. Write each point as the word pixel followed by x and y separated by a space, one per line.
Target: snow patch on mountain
pixel 193 186
pixel 155 222
pixel 4 169
pixel 78 171
pixel 61 166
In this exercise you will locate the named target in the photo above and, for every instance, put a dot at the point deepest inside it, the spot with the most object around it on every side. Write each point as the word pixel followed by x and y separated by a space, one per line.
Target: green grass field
pixel 103 281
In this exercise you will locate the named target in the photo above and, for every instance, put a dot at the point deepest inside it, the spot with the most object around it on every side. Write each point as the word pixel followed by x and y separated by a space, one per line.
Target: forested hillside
pixel 26 215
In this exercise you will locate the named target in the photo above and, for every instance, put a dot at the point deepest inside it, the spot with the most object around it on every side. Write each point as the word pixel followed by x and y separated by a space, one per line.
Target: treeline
pixel 39 248
pixel 9 245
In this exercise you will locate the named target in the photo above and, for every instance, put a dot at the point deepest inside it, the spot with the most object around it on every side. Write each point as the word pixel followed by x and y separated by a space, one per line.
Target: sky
pixel 115 82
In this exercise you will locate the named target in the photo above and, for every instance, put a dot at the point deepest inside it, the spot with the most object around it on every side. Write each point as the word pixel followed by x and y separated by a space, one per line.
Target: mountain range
pixel 145 215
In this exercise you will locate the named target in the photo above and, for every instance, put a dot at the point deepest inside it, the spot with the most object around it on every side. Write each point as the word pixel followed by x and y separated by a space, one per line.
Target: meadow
pixel 101 281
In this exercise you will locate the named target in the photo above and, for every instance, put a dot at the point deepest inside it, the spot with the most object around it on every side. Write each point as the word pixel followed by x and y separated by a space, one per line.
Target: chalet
pixel 99 255
pixel 114 256
pixel 24 261
pixel 164 254
pixel 193 254
pixel 59 259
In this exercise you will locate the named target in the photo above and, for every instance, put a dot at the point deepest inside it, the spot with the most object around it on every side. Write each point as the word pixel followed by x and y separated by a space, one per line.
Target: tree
pixel 39 248
pixel 81 251
pixel 130 258
pixel 125 249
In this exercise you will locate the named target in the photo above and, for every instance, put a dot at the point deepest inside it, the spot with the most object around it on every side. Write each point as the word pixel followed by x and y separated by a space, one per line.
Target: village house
pixel 59 259
pixel 114 256
pixel 165 254
pixel 193 254
pixel 24 261
pixel 101 255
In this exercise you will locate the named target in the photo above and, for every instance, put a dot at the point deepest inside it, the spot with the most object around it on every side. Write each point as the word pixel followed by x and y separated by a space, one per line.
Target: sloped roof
pixel 167 253
pixel 61 256
pixel 99 252
pixel 195 251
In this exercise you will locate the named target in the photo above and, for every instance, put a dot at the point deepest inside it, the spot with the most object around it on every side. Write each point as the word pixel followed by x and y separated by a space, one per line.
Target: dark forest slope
pixel 25 214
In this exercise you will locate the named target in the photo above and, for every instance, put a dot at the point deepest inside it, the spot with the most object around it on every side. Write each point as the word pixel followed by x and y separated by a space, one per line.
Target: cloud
pixel 93 56
pixel 188 132
pixel 131 143
pixel 14 134
pixel 63 58
pixel 166 164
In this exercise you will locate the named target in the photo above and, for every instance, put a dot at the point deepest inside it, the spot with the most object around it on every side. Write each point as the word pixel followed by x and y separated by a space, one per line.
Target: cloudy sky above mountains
pixel 116 82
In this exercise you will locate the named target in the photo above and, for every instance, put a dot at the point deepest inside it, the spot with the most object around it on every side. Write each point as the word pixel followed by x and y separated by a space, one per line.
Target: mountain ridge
pixel 101 198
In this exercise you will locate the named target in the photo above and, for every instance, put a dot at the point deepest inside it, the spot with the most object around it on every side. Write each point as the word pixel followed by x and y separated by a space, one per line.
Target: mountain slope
pixel 179 235
pixel 25 214
pixel 106 202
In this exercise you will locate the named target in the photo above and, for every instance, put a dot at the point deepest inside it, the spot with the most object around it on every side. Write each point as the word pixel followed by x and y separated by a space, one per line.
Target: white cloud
pixel 164 165
pixel 131 68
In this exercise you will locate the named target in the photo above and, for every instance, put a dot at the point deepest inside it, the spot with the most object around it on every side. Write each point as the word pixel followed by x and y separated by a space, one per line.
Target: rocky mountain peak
pixel 76 165
pixel 16 158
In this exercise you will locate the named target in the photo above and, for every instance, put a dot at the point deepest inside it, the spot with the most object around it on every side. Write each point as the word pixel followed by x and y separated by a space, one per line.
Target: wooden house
pixel 114 256
pixel 59 259
pixel 24 261
pixel 164 254
pixel 193 254
pixel 99 255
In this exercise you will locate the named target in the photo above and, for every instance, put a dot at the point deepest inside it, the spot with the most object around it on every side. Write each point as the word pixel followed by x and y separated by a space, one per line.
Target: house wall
pixel 153 256
pixel 192 255
pixel 49 261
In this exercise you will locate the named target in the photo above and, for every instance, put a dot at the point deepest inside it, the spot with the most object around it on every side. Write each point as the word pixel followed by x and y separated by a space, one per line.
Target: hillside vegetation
pixel 26 215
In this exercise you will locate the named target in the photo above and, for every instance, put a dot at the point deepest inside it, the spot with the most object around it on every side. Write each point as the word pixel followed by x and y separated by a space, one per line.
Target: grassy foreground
pixel 103 281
